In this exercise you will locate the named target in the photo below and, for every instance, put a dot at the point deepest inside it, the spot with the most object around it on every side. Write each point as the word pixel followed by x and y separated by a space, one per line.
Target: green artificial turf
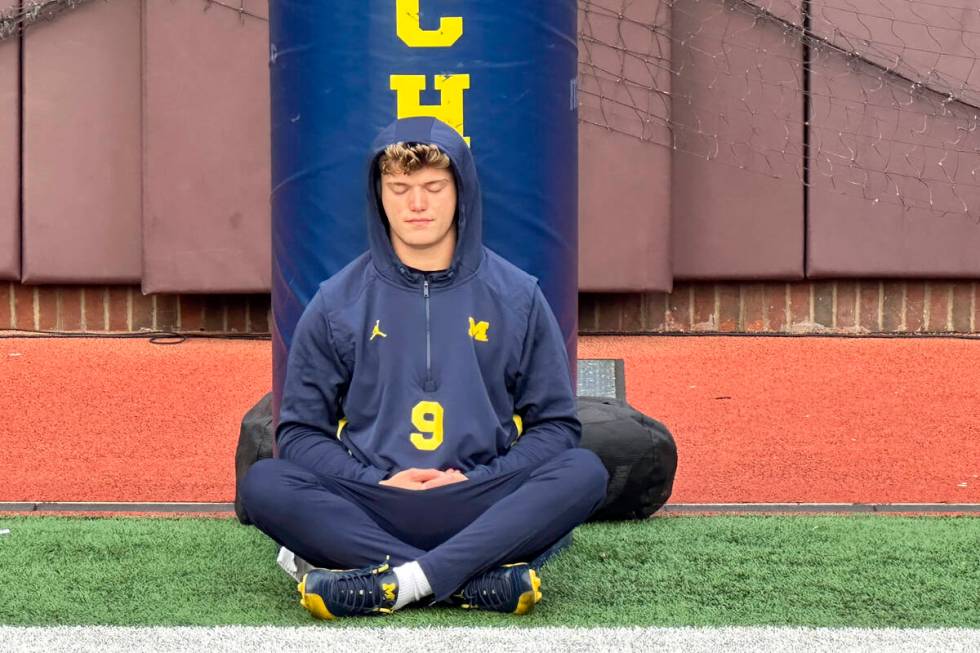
pixel 870 571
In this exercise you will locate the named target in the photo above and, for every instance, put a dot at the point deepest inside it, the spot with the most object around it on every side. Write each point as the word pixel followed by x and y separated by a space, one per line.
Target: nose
pixel 418 202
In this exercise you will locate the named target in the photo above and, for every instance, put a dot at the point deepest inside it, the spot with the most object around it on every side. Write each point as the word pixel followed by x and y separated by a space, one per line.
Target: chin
pixel 416 243
pixel 424 244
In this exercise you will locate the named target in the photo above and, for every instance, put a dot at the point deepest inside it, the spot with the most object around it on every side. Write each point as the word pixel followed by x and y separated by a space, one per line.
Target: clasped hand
pixel 424 479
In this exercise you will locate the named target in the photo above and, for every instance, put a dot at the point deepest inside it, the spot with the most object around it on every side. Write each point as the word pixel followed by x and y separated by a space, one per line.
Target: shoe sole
pixel 529 599
pixel 314 602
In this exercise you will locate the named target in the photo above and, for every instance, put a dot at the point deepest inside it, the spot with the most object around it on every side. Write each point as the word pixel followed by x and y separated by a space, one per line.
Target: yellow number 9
pixel 427 418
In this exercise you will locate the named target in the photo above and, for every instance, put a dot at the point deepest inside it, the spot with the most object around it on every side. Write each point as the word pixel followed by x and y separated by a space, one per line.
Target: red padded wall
pixel 624 164
pixel 877 145
pixel 82 146
pixel 9 156
pixel 737 102
pixel 206 149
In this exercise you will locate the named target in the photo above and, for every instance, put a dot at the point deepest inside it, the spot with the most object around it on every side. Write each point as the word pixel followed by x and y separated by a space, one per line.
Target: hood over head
pixel 469 218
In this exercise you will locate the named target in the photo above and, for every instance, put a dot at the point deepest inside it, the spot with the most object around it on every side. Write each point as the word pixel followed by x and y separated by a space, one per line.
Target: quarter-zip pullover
pixel 391 367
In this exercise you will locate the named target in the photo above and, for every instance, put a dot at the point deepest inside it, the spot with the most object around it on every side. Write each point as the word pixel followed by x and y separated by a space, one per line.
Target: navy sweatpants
pixel 454 532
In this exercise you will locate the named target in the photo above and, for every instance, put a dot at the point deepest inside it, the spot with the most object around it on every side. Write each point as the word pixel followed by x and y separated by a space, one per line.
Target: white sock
pixel 412 584
pixel 292 564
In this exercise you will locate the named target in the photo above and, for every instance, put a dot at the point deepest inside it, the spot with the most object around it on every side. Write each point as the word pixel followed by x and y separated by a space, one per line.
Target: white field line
pixel 331 637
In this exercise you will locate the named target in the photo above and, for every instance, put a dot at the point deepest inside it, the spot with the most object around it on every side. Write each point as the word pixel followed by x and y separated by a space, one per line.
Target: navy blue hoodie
pixel 391 368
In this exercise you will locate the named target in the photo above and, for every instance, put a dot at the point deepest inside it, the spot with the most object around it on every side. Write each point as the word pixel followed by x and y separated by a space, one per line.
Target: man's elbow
pixel 568 432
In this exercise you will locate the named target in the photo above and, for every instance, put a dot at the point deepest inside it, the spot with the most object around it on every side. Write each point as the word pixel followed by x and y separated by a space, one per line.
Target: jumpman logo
pixel 377 331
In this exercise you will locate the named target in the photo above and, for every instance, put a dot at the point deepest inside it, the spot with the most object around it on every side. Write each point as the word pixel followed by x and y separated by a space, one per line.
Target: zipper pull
pixel 425 288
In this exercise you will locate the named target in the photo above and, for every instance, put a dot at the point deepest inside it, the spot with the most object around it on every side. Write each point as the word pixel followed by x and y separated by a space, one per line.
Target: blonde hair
pixel 406 158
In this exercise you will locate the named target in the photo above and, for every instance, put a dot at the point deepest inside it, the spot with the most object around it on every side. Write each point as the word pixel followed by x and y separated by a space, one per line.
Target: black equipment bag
pixel 637 451
pixel 254 444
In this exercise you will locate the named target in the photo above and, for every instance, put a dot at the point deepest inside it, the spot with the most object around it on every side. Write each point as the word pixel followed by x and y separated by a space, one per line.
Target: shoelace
pixel 492 590
pixel 357 590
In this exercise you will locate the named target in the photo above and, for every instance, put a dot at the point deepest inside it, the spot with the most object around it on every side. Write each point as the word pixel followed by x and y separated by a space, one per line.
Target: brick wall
pixel 851 307
pixel 806 307
pixel 99 309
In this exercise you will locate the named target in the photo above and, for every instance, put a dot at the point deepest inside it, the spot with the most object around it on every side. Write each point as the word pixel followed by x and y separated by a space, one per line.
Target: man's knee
pixel 263 484
pixel 588 471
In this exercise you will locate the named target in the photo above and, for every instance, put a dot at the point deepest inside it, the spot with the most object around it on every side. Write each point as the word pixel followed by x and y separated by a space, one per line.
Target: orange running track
pixel 756 419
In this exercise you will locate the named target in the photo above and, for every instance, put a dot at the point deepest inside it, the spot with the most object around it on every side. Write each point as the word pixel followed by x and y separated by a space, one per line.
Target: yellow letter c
pixel 410 29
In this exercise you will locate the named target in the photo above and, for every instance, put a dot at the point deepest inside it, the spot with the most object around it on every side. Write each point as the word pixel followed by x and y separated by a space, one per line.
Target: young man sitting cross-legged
pixel 428 432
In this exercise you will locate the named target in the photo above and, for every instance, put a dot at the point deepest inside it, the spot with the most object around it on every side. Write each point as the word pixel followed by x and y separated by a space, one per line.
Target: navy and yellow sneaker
pixel 512 588
pixel 329 594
